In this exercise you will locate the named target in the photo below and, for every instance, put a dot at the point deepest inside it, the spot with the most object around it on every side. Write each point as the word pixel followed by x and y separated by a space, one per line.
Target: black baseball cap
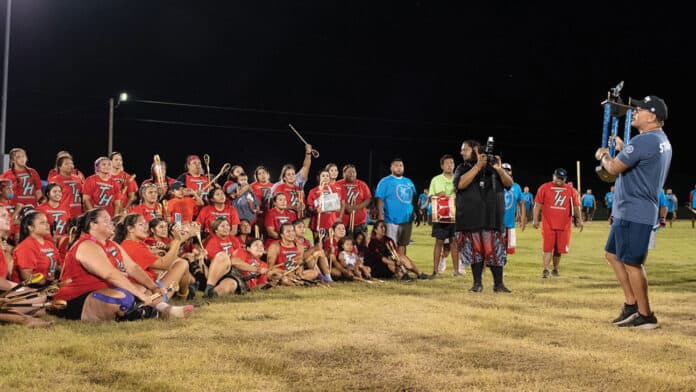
pixel 176 185
pixel 560 173
pixel 654 104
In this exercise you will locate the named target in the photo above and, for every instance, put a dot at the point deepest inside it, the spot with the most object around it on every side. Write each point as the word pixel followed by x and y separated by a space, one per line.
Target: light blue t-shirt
pixel 422 200
pixel 609 199
pixel 397 196
pixel 693 198
pixel 636 191
pixel 512 197
pixel 662 199
pixel 670 203
pixel 588 200
pixel 528 198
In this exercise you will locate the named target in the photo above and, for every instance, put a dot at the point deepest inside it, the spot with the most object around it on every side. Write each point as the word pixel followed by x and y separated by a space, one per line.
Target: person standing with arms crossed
pixel 642 168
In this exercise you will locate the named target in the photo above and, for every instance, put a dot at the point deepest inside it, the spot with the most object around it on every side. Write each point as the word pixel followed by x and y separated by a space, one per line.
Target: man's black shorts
pixel 443 231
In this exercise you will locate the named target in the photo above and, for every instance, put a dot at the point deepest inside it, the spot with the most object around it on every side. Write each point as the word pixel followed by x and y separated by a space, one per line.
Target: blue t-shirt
pixel 670 203
pixel 636 191
pixel 609 199
pixel 422 200
pixel 512 197
pixel 588 200
pixel 662 199
pixel 693 198
pixel 528 198
pixel 397 196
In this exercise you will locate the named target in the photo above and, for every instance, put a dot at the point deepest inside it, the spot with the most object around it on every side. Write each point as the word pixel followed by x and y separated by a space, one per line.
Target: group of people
pixel 113 250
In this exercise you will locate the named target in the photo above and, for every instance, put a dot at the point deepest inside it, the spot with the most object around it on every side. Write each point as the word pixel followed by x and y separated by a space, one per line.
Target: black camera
pixel 488 150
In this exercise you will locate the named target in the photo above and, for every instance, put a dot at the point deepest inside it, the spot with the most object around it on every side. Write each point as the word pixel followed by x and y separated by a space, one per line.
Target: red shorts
pixel 556 241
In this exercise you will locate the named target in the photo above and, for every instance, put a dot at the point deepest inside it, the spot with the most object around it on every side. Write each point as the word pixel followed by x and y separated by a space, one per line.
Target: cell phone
pixel 177 218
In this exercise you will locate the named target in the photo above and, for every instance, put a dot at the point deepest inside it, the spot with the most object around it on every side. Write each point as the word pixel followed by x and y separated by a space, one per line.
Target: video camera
pixel 488 150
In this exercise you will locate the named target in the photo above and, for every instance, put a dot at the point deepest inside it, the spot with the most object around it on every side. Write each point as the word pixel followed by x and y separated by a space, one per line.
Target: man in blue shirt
pixel 395 195
pixel 588 205
pixel 671 206
pixel 609 202
pixel 642 168
pixel 423 205
pixel 513 202
pixel 528 198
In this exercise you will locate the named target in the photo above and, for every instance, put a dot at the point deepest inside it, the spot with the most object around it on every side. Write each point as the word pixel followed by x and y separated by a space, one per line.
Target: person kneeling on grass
pixel 383 258
pixel 223 279
pixel 285 260
pixel 131 233
pixel 105 283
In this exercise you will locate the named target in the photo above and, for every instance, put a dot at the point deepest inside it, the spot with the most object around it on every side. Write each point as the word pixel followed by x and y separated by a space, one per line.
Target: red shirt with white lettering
pixel 149 213
pixel 557 202
pixel 57 217
pixel 131 187
pixel 25 183
pixel 71 186
pixel 39 257
pixel 209 213
pixel 327 218
pixel 102 193
pixel 355 193
pixel 216 244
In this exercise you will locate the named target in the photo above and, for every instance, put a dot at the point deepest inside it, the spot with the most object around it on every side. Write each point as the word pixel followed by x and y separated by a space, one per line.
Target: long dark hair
pixel 47 190
pixel 27 220
pixel 83 221
pixel 123 225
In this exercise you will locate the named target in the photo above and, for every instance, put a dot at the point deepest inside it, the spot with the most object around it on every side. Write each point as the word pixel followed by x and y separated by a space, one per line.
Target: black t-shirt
pixel 481 205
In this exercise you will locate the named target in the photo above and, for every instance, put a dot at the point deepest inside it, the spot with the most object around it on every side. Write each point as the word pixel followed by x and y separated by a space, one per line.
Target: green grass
pixel 550 334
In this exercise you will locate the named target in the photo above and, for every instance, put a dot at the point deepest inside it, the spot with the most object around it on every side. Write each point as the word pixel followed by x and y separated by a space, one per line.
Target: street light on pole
pixel 3 123
pixel 121 98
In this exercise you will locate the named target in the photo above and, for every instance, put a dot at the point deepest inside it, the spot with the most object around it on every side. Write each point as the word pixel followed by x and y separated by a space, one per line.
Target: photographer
pixel 480 181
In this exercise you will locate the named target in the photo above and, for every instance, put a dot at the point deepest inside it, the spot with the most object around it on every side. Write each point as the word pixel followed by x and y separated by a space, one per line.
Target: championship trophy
pixel 614 109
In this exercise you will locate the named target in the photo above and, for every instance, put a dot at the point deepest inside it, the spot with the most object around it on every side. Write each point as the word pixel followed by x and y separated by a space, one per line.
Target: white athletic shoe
pixel 442 266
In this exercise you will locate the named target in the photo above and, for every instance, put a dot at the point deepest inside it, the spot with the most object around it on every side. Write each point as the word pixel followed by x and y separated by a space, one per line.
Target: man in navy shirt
pixel 642 168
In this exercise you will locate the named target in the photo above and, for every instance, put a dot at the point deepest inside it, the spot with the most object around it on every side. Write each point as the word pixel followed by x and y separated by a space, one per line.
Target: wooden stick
pixel 315 153
pixel 206 160
pixel 126 183
pixel 225 168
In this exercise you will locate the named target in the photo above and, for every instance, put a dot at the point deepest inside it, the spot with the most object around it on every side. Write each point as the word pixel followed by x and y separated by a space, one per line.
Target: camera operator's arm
pixel 505 178
pixel 466 178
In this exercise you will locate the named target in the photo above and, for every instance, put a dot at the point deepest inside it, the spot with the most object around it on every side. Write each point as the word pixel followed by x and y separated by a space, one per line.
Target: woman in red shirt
pixel 70 185
pixel 101 189
pixel 222 280
pixel 158 176
pixel 248 261
pixel 56 213
pixel 149 208
pixel 99 271
pixel 322 221
pixel 74 172
pixel 35 252
pixel 129 187
pixel 262 189
pixel 276 216
pixel 131 233
pixel 293 193
pixel 194 178
pixel 26 181
pixel 217 208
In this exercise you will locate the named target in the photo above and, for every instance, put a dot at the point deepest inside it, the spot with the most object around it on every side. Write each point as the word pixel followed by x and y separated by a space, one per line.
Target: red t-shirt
pixel 327 218
pixel 355 192
pixel 556 205
pixel 197 183
pixel 58 217
pixel 82 281
pixel 253 279
pixel 132 186
pixel 25 183
pixel 293 193
pixel 40 258
pixel 327 246
pixel 3 266
pixel 209 213
pixel 286 255
pixel 72 192
pixel 102 193
pixel 140 253
pixel 262 193
pixel 216 244
pixel 185 206
pixel 149 213
pixel 169 182
pixel 275 218
pixel 14 226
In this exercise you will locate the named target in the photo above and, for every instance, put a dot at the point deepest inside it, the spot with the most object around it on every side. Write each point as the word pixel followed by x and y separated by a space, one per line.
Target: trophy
pixel 614 109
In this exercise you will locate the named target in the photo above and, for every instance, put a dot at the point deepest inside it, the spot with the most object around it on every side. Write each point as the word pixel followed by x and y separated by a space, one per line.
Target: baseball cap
pixel 176 185
pixel 560 173
pixel 654 104
pixel 506 166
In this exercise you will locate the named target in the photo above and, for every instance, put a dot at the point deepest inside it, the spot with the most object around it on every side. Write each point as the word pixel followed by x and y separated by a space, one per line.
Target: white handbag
pixel 330 202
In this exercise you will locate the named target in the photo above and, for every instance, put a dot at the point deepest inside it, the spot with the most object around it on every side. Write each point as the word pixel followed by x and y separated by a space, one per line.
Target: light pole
pixel 121 98
pixel 3 122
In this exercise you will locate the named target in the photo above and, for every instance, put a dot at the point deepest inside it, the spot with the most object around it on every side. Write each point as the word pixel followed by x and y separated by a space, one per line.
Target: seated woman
pixel 276 216
pixel 58 214
pixel 383 259
pixel 248 261
pixel 217 207
pixel 244 232
pixel 285 260
pixel 100 270
pixel 159 239
pixel 336 234
pixel 313 256
pixel 222 279
pixel 131 233
pixel 36 252
pixel 148 207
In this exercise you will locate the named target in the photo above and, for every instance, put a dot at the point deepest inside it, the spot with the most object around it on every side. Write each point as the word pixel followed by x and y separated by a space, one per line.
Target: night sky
pixel 360 79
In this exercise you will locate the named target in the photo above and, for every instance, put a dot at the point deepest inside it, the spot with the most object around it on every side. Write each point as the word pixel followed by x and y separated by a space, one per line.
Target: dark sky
pixel 359 79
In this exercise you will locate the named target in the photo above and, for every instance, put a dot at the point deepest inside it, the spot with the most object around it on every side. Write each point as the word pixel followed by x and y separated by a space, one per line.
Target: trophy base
pixel 604 175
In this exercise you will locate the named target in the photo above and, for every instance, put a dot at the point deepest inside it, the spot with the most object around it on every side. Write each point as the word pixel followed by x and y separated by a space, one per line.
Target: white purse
pixel 330 202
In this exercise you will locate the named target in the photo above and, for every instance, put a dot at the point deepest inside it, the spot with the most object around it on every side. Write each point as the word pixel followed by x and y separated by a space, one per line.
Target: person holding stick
pixel 158 176
pixel 641 167
pixel 36 252
pixel 276 217
pixel 322 220
pixel 355 197
pixel 218 207
pixel 383 258
pixel 194 178
pixel 285 260
pixel 292 182
pixel 101 190
pixel 129 188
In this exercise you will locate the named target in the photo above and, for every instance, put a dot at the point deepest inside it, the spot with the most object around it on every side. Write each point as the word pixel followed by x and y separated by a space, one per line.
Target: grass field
pixel 432 335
